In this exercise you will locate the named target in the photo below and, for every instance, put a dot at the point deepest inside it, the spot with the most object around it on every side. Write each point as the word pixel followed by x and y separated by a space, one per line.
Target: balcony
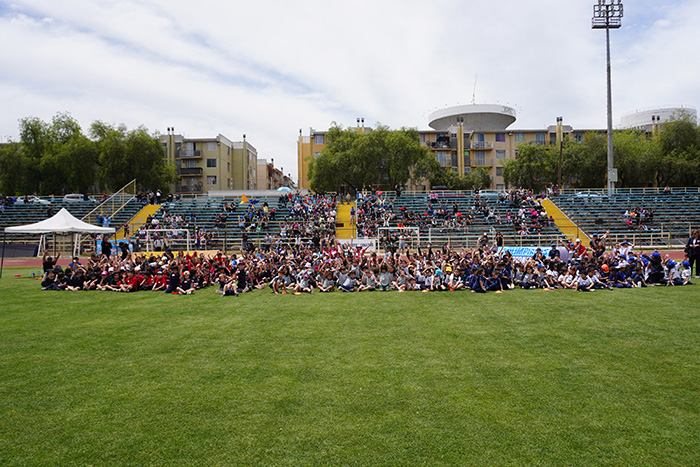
pixel 482 145
pixel 194 188
pixel 485 162
pixel 190 171
pixel 185 154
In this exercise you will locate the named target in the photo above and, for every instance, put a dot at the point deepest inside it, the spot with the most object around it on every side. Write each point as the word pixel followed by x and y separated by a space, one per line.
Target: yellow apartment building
pixel 205 164
pixel 462 139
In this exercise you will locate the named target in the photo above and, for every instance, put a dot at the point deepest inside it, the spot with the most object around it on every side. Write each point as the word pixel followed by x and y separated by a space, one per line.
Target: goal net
pixel 398 238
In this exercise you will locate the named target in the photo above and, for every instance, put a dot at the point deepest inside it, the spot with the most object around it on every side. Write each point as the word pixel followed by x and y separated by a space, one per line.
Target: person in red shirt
pixel 130 283
pixel 160 282
pixel 579 250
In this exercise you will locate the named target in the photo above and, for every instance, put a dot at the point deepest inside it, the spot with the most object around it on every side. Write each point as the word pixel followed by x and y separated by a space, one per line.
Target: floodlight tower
pixel 607 14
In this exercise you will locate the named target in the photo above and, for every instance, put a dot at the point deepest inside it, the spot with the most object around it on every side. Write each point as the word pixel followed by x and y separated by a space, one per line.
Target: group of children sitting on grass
pixel 335 267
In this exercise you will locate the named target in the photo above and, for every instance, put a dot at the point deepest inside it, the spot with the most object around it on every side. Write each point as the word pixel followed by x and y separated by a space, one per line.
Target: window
pixel 316 154
pixel 499 171
pixel 442 157
pixel 479 157
pixel 319 139
pixel 467 158
pixel 520 137
pixel 211 146
pixel 454 161
pixel 500 154
pixel 552 138
pixel 578 136
pixel 455 169
pixel 211 163
pixel 540 138
pixel 422 137
pixel 190 164
pixel 228 166
pixel 500 187
pixel 500 137
pixel 211 180
pixel 467 170
pixel 516 153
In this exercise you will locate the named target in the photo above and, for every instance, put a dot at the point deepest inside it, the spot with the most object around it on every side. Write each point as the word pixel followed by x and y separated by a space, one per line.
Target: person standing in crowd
pixel 692 251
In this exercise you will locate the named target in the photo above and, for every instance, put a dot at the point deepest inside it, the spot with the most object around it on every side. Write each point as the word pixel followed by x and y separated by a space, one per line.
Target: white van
pixel 73 198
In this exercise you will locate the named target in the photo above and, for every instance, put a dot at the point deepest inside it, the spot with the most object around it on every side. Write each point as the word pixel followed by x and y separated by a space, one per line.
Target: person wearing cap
pixel 673 273
pixel 453 281
pixel 686 273
pixel 160 282
pixel 553 253
pixel 598 244
pixel 656 271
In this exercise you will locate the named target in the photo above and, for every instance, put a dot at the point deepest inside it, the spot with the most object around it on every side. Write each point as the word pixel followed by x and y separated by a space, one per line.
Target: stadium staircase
pixel 566 225
pixel 345 227
pixel 138 220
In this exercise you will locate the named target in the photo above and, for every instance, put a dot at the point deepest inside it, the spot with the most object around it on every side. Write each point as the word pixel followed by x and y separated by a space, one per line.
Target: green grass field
pixel 524 377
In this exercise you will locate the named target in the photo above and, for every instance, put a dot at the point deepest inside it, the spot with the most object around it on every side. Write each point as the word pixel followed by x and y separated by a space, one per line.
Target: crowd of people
pixel 450 212
pixel 331 266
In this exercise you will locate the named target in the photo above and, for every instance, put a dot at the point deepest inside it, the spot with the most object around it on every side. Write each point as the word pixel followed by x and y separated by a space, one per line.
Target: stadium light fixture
pixel 607 14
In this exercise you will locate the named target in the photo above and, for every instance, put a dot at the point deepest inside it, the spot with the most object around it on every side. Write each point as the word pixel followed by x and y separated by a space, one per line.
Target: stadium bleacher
pixel 21 214
pixel 673 214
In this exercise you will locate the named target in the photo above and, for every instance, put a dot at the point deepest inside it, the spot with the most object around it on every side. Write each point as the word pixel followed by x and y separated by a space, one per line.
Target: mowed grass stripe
pixel 523 377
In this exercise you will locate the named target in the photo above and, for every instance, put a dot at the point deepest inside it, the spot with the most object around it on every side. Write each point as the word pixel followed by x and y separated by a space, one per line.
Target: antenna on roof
pixel 474 94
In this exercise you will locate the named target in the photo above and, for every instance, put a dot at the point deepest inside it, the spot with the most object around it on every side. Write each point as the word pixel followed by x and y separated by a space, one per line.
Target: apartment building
pixel 462 139
pixel 206 164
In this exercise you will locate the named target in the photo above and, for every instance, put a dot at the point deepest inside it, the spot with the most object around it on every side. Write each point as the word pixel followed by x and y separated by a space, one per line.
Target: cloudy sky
pixel 270 68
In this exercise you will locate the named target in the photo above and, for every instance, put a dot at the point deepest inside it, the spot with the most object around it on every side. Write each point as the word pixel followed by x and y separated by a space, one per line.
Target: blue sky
pixel 267 69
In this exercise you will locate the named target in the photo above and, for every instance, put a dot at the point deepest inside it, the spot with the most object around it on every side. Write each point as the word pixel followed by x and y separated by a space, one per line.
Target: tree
pixel 678 152
pixel 127 155
pixel 535 167
pixel 478 178
pixel 12 170
pixel 69 162
pixel 380 157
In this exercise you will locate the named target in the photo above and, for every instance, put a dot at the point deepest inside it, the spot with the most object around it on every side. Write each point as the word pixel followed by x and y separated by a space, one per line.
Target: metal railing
pixel 184 154
pixel 190 171
pixel 481 145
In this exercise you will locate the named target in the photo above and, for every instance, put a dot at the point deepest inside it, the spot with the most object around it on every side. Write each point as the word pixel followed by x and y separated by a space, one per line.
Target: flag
pixel 244 199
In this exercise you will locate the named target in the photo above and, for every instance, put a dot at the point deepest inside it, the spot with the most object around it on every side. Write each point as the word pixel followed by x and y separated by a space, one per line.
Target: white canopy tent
pixel 63 222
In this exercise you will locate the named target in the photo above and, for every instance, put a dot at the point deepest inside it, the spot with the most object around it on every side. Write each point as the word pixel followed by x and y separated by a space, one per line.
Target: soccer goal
pixel 399 238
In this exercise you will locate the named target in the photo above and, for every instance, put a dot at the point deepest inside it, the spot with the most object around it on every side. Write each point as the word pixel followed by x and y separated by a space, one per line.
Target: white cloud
pixel 268 68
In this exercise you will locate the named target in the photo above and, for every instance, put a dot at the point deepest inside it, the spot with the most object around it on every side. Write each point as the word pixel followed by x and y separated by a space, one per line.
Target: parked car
pixel 77 198
pixel 31 199
pixel 591 195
